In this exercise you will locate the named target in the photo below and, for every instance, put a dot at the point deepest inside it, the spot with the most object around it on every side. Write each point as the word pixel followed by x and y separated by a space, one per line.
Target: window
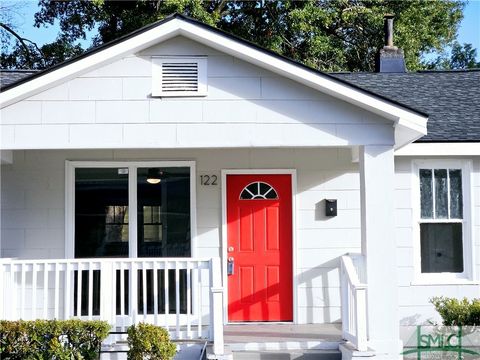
pixel 258 190
pixel 443 219
pixel 102 224
pixel 179 76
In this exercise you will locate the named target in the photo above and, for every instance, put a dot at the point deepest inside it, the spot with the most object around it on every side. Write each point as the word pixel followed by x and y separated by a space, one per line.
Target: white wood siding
pixel 33 209
pixel 113 104
pixel 415 307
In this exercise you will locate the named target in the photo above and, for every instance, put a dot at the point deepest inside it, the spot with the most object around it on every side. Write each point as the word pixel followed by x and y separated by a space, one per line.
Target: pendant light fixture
pixel 154 176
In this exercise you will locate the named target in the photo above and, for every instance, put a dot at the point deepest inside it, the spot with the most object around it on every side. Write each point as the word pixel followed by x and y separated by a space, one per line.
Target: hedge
pixel 456 312
pixel 150 342
pixel 52 339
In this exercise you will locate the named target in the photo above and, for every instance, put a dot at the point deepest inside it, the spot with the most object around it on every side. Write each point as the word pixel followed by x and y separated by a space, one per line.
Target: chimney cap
pixel 388 16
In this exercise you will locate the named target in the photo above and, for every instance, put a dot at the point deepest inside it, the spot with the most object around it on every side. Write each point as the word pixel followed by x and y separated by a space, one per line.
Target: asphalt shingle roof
pixel 450 98
pixel 8 77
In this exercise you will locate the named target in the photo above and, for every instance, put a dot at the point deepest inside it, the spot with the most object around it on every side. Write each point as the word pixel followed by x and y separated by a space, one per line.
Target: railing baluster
pixel 166 295
pixel 122 289
pixel 189 305
pixel 67 291
pixel 56 295
pixel 199 297
pixel 34 291
pixel 155 292
pixel 90 290
pixel 13 311
pixel 45 290
pixel 144 290
pixel 79 290
pixel 177 300
pixel 22 291
pixel 133 291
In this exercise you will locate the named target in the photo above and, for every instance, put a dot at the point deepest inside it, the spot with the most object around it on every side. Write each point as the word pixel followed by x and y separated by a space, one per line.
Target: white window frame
pixel 157 62
pixel 467 276
pixel 132 166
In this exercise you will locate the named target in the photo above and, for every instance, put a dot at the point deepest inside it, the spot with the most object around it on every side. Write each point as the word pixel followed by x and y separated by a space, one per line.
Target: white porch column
pixel 378 247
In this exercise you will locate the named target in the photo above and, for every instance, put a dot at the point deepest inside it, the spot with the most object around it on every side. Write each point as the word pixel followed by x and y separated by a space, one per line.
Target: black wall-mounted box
pixel 330 207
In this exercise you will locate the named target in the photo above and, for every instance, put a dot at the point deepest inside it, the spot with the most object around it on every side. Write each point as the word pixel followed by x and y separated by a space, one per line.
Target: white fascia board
pixel 307 77
pixel 91 62
pixel 440 149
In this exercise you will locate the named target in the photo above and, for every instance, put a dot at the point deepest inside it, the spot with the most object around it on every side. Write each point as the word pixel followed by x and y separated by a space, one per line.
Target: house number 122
pixel 208 180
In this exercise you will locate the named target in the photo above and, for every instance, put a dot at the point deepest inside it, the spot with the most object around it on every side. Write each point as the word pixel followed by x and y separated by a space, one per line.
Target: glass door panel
pixel 163 212
pixel 101 212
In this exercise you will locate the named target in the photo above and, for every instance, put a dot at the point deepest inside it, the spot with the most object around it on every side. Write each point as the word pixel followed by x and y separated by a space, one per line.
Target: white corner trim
pixel 173 27
pixel 440 149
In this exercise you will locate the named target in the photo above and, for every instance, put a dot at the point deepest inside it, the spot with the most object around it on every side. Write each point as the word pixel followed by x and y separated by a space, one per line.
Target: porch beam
pixel 378 246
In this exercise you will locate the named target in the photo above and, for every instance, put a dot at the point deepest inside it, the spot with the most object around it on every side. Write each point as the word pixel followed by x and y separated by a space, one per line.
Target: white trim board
pixel 412 124
pixel 293 173
pixel 440 149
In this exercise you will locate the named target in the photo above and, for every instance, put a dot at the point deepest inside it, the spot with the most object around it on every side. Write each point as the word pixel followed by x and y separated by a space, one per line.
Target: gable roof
pixel 447 96
pixel 410 123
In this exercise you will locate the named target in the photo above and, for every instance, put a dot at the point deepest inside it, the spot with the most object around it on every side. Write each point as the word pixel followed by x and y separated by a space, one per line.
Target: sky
pixel 469 31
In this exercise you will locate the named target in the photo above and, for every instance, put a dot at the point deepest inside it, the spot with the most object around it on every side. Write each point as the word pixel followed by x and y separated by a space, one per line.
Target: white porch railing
pixel 354 301
pixel 184 295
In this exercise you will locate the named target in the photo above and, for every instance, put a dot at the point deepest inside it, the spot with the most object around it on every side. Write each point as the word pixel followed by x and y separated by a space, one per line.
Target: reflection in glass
pixel 101 212
pixel 426 196
pixel 456 199
pixel 163 210
pixel 441 194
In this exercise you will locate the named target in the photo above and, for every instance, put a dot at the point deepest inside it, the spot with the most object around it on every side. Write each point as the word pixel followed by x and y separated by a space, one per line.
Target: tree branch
pixel 21 40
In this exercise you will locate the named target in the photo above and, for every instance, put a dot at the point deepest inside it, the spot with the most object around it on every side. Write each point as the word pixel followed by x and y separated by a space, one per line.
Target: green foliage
pixel 328 35
pixel 150 342
pixel 461 57
pixel 456 312
pixel 51 339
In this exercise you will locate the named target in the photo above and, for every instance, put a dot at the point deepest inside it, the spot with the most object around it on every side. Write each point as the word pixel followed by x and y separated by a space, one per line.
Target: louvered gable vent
pixel 175 76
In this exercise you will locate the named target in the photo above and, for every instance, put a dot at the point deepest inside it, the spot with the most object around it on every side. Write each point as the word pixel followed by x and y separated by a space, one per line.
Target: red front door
pixel 259 229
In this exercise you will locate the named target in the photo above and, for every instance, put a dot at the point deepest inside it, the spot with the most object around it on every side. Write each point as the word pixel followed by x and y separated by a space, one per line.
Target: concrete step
pixel 288 355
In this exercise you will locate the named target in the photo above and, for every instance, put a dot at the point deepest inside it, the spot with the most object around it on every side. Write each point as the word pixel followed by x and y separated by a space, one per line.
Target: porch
pixel 183 295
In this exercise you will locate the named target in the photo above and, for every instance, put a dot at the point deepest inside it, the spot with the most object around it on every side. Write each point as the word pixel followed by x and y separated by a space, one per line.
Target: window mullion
pixel 132 206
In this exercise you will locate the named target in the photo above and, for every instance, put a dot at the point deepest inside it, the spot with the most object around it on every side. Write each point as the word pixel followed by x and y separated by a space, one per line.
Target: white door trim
pixel 132 166
pixel 293 173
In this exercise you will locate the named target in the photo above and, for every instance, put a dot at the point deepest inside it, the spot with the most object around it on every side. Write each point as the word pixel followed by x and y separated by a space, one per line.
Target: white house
pixel 185 177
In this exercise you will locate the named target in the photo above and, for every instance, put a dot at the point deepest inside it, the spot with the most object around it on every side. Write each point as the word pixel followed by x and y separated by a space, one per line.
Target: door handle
pixel 230 266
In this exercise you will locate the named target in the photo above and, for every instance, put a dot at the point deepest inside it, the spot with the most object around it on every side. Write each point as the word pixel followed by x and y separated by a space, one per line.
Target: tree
pixel 461 57
pixel 330 35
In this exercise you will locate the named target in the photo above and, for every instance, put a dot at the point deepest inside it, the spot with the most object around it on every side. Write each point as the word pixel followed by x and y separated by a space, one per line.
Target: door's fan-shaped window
pixel 258 190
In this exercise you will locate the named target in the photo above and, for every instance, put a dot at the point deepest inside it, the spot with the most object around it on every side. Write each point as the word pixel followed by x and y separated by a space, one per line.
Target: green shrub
pixel 150 342
pixel 456 312
pixel 52 339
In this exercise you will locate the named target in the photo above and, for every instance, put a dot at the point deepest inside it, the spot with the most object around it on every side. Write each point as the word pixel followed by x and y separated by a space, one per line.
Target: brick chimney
pixel 390 59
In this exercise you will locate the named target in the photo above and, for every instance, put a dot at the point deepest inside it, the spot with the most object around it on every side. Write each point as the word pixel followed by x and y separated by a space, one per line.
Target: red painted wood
pixel 260 232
